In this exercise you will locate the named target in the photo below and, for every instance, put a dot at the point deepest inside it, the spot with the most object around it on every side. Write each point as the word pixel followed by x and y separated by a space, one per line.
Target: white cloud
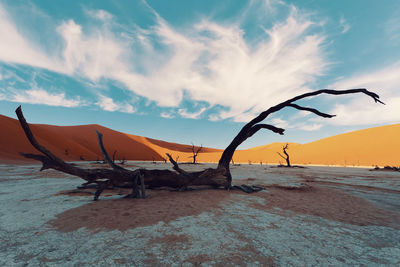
pixel 108 104
pixel 215 64
pixel 311 127
pixel 278 122
pixel 210 62
pixel 361 110
pixel 99 14
pixel 166 115
pixel 40 96
pixel 344 24
pixel 15 48
pixel 185 114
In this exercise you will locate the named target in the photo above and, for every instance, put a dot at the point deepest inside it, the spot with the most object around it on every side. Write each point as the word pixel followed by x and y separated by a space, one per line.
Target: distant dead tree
pixel 137 179
pixel 114 154
pixel 286 157
pixel 195 152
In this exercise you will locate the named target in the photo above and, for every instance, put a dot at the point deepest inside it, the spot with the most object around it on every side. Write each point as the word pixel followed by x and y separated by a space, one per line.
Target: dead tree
pixel 136 179
pixel 286 157
pixel 195 153
pixel 114 154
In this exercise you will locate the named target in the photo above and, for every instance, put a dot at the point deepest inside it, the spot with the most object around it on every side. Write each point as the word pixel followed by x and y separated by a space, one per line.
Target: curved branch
pixel 105 154
pixel 176 167
pixel 313 110
pixel 251 127
pixel 280 106
pixel 281 155
pixel 258 127
pixel 199 149
pixel 33 140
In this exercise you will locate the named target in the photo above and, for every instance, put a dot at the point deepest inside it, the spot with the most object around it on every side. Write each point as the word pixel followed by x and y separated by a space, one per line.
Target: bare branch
pixel 252 127
pixel 280 106
pixel 114 154
pixel 313 110
pixel 258 127
pixel 105 154
pixel 176 167
pixel 192 148
pixel 281 155
pixel 33 140
pixel 199 149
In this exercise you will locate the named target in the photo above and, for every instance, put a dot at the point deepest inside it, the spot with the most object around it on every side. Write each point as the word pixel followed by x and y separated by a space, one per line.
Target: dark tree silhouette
pixel 195 152
pixel 114 156
pixel 139 178
pixel 286 157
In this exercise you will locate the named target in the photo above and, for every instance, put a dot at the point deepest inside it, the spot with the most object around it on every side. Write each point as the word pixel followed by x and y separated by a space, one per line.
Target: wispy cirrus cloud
pixel 108 104
pixel 167 115
pixel 191 115
pixel 206 61
pixel 311 127
pixel 15 48
pixel 40 96
pixel 344 24
pixel 386 83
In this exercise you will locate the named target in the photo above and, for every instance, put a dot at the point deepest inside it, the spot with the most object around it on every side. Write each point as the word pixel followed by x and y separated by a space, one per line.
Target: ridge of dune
pixel 368 147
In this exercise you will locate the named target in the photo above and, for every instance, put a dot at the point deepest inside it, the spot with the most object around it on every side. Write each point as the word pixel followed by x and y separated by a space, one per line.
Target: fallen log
pixel 118 176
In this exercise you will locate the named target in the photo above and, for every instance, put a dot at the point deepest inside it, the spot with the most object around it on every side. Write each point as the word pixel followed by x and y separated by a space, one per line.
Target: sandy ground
pixel 317 216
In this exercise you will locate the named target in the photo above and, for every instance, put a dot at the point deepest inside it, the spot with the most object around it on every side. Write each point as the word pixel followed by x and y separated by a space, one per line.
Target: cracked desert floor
pixel 316 216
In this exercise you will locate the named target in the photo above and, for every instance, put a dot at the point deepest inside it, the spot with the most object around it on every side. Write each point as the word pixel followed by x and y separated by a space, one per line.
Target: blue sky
pixel 196 71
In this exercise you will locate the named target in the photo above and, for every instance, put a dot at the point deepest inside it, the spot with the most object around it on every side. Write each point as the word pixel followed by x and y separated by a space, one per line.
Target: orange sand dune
pixel 374 146
pixel 369 147
pixel 69 142
pixel 76 142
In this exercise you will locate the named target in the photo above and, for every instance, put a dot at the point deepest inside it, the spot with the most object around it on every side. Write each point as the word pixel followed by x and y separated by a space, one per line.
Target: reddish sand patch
pixel 123 214
pixel 328 203
pixel 172 240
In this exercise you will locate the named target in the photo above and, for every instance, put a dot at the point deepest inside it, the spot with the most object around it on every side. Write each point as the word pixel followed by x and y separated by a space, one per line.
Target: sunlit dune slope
pixel 264 154
pixel 369 147
pixel 178 151
pixel 374 146
pixel 69 142
pixel 80 142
